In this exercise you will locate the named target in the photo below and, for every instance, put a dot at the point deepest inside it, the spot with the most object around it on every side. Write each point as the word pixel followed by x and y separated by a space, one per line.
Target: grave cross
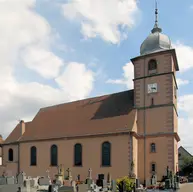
pixel 89 173
pixel 69 173
pixel 59 169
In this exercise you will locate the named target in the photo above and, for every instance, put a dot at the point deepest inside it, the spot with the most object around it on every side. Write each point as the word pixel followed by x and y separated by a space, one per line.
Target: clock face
pixel 152 88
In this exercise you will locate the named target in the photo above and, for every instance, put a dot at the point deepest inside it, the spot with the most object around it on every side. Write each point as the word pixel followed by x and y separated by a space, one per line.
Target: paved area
pixel 188 187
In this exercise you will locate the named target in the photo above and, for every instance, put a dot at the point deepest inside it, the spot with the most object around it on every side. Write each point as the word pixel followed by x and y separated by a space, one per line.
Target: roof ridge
pixel 185 150
pixel 80 100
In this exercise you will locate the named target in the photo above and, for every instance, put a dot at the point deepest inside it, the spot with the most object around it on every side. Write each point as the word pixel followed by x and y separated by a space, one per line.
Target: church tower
pixel 155 98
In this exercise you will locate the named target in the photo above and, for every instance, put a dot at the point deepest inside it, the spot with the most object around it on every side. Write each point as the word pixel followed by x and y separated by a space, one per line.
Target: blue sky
pixel 174 19
pixel 55 51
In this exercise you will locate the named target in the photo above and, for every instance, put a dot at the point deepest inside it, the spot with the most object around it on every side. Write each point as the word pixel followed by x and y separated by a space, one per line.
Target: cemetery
pixel 63 182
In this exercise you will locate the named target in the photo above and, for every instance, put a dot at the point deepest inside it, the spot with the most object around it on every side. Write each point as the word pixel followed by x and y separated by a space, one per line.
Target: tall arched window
pixel 33 154
pixel 153 148
pixel 106 154
pixel 10 155
pixel 153 167
pixel 152 66
pixel 78 154
pixel 54 155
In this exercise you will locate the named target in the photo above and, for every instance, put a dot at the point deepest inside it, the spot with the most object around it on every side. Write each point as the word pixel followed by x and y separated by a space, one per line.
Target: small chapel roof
pixel 113 113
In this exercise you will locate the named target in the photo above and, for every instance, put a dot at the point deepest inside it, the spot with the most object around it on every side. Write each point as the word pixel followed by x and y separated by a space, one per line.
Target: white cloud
pixel 26 38
pixel 42 61
pixel 127 76
pixel 104 18
pixel 76 79
pixel 184 54
pixel 181 82
pixel 185 104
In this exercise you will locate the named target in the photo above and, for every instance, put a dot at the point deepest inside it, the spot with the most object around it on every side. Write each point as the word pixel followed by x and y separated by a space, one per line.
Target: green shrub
pixel 129 184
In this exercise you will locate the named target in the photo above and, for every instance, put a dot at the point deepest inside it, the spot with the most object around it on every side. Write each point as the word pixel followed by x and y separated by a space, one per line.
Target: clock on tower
pixel 152 88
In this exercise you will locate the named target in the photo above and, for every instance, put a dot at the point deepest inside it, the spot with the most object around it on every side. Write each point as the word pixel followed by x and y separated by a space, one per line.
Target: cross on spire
pixel 156 27
pixel 156 13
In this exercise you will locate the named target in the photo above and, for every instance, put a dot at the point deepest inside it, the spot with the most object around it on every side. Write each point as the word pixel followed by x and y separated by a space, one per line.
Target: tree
pixel 187 166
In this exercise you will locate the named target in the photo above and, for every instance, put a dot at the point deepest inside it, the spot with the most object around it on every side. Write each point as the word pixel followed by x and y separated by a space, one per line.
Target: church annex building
pixel 108 133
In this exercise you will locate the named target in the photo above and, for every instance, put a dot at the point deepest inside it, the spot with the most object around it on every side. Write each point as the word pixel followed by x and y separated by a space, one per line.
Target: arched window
pixel 78 155
pixel 54 155
pixel 153 167
pixel 153 148
pixel 152 66
pixel 106 154
pixel 33 154
pixel 10 155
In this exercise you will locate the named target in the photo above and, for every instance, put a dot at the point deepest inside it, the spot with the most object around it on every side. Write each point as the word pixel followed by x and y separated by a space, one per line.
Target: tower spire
pixel 156 26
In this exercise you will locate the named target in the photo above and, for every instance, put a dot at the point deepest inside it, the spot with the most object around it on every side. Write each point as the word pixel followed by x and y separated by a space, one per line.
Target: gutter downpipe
pixel 18 162
pixel 131 150
pixel 144 125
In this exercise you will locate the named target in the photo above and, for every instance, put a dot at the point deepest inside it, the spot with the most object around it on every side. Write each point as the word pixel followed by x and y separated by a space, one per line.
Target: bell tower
pixel 155 98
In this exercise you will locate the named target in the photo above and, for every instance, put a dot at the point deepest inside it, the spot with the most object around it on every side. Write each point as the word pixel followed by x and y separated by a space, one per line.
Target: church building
pixel 134 131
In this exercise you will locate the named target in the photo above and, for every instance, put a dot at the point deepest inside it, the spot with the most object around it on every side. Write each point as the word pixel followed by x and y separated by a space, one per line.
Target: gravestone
pixel 10 180
pixel 66 189
pixel 3 181
pixel 69 177
pixel 104 185
pixel 32 183
pixel 153 180
pixel 90 173
pixel 89 182
pixel 78 177
pixel 21 177
pixel 43 181
pixel 82 188
pixel 137 184
pixel 100 179
pixel 113 186
pixel 101 176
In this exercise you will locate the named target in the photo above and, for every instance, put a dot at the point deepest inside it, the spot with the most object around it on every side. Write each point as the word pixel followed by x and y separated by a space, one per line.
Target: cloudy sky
pixel 54 51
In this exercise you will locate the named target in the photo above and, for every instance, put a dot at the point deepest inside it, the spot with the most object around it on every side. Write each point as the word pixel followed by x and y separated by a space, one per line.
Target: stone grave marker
pixel 90 173
pixel 74 185
pixel 82 188
pixel 69 177
pixel 10 180
pixel 104 183
pixel 113 186
pixel 3 181
pixel 21 177
pixel 44 181
pixel 32 182
pixel 66 189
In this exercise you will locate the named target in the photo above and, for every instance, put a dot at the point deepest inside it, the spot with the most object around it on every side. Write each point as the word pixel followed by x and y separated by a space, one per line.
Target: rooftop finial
pixel 156 13
pixel 156 27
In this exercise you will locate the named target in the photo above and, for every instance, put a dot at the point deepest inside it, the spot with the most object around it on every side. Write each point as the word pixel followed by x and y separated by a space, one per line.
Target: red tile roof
pixel 100 115
pixel 15 135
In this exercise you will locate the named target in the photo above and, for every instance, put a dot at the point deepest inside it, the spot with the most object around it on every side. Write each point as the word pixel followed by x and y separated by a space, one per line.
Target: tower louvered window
pixel 152 67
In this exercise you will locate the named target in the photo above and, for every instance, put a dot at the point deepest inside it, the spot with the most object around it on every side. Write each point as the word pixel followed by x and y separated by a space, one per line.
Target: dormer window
pixel 152 67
